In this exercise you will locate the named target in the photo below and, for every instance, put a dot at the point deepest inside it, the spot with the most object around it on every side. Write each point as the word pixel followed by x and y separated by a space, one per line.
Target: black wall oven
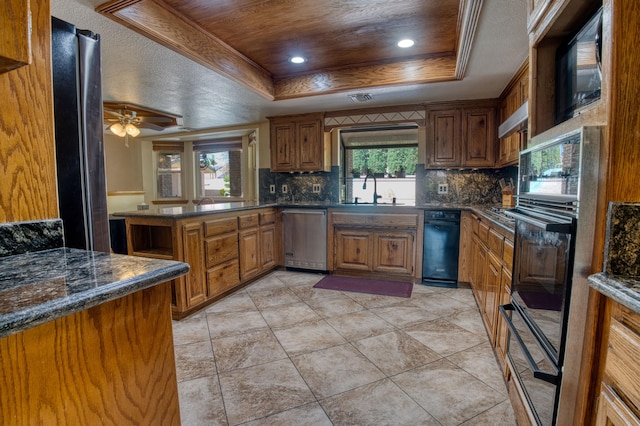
pixel 546 228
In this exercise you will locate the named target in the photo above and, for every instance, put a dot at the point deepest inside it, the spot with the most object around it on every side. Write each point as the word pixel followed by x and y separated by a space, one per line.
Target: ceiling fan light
pixel 132 130
pixel 118 129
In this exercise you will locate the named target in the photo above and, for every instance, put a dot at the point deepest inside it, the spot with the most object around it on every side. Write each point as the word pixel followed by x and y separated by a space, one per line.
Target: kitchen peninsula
pixel 85 337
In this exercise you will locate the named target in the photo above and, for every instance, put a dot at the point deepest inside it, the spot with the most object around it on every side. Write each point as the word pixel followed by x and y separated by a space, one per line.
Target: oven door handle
pixel 563 228
pixel 537 373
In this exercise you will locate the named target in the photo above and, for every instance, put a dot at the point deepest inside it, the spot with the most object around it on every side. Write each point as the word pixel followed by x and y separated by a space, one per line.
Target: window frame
pixel 219 145
pixel 163 148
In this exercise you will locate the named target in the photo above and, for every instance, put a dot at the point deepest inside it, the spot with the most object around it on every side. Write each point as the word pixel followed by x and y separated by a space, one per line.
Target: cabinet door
pixel 479 137
pixel 309 143
pixel 249 250
pixel 612 410
pixel 393 252
pixel 479 264
pixel 443 144
pixel 465 262
pixel 283 147
pixel 15 36
pixel 353 250
pixel 502 331
pixel 193 254
pixel 493 274
pixel 268 247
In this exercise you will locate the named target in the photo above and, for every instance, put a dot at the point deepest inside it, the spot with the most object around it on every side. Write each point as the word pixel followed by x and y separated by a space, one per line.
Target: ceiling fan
pixel 126 120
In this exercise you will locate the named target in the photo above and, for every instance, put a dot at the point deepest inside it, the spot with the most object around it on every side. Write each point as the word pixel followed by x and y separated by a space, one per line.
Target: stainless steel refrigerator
pixel 77 91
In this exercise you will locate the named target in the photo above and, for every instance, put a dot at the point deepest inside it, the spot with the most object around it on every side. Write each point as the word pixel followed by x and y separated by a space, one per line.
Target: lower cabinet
pixel 223 251
pixel 619 402
pixel 491 263
pixel 363 243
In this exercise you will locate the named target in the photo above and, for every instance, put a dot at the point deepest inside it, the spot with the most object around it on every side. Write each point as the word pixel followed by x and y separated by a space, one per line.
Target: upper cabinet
pixel 15 34
pixel 461 134
pixel 514 95
pixel 298 144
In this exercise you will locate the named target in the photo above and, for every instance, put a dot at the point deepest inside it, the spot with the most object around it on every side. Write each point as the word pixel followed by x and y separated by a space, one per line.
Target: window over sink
pixel 218 171
pixel 168 168
pixel 389 154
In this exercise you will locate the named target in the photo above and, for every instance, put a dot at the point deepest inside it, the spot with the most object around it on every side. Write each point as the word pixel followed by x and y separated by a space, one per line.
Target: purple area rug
pixel 363 285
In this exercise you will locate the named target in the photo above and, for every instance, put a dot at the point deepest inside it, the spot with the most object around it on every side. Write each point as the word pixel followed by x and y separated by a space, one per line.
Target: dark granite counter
pixel 625 291
pixel 38 287
pixel 180 212
pixel 620 279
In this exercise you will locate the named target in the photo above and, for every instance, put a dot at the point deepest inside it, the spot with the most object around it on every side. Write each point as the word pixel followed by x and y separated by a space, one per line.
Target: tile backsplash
pixel 464 186
pixel 24 237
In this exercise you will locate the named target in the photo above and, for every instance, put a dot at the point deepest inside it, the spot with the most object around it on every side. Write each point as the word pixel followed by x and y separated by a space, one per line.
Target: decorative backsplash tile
pixel 467 187
pixel 26 237
pixel 622 248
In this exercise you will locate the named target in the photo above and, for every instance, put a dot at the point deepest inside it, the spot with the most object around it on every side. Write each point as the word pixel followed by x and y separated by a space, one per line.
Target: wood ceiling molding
pixel 166 26
pixel 416 71
pixel 468 23
pixel 351 43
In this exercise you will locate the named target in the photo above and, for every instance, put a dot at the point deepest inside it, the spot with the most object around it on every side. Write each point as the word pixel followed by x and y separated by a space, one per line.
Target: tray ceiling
pixel 348 45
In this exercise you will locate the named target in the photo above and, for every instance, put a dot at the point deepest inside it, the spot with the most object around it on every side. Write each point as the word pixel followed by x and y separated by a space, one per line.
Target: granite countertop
pixel 206 209
pixel 38 287
pixel 625 291
pixel 194 211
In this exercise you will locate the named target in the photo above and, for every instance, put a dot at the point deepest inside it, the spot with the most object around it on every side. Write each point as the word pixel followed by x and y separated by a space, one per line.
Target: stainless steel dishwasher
pixel 305 238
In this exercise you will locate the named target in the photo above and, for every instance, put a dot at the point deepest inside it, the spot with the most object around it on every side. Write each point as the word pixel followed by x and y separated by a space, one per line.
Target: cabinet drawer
pixel 494 242
pixel 483 231
pixel 222 278
pixel 267 218
pixel 221 249
pixel 248 221
pixel 621 365
pixel 507 253
pixel 220 226
pixel 475 224
pixel 376 219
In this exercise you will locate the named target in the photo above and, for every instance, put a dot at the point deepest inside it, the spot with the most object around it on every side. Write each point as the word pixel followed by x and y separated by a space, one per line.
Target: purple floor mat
pixel 363 285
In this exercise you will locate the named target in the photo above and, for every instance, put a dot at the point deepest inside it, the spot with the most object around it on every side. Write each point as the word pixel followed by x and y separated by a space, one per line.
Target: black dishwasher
pixel 440 248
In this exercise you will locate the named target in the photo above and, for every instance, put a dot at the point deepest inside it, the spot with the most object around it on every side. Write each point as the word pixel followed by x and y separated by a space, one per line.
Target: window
pixel 219 168
pixel 391 156
pixel 168 170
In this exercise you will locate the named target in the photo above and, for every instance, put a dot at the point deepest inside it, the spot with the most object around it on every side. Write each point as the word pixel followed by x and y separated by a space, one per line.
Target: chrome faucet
pixel 205 200
pixel 375 187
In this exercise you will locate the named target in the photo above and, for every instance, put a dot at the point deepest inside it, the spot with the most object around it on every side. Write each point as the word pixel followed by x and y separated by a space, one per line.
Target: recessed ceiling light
pixel 405 43
pixel 297 60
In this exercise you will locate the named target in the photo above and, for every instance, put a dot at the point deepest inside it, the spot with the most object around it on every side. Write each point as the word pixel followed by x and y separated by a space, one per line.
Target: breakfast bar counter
pixel 85 337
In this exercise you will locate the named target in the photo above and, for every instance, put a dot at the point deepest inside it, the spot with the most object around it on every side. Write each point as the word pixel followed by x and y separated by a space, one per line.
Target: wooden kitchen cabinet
pixel 15 34
pixel 298 144
pixel 514 95
pixel 619 402
pixel 193 254
pixel 258 243
pixel 393 252
pixel 354 250
pixel 461 134
pixel 372 243
pixel 491 254
pixel 479 137
pixel 444 143
pixel 223 251
pixel 466 234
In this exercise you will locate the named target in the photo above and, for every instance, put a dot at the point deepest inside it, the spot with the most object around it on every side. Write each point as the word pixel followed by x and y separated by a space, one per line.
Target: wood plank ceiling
pixel 349 44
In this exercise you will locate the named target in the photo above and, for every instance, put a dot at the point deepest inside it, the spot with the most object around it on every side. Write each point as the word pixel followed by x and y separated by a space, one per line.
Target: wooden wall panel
pixel 111 364
pixel 27 158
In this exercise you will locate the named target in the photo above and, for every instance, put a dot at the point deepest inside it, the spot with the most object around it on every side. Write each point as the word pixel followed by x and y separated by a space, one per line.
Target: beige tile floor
pixel 280 352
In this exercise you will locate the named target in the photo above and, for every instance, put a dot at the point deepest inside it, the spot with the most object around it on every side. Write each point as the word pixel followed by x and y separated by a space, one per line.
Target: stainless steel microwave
pixel 553 169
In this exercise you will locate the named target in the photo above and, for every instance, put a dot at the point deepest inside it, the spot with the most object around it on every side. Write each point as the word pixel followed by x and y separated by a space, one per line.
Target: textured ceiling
pixel 139 71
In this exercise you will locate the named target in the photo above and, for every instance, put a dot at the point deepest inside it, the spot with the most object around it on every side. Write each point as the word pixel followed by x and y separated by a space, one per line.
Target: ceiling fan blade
pixel 151 119
pixel 111 112
pixel 150 126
